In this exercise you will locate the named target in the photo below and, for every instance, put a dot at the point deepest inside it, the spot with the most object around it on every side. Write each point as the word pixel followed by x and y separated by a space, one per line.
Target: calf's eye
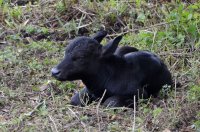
pixel 77 58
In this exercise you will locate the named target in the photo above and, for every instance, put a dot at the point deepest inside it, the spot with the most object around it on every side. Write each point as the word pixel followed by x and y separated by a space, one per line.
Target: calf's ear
pixel 111 46
pixel 99 35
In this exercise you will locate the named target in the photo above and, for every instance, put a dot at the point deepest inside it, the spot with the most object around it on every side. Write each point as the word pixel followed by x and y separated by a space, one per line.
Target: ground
pixel 33 36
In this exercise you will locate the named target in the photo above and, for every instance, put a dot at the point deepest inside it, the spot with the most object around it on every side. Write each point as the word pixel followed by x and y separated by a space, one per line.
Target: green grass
pixel 32 41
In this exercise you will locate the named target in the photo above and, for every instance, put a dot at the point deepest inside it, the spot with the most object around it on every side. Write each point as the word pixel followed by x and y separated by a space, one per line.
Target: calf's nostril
pixel 55 71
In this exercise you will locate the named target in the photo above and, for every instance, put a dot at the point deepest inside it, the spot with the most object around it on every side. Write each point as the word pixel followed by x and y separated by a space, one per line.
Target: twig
pixel 35 109
pixel 154 36
pixel 77 117
pixel 2 33
pixel 84 25
pixel 177 54
pixel 53 123
pixel 83 11
pixel 117 108
pixel 173 66
pixel 121 21
pixel 3 42
pixel 175 99
pixel 134 107
pixel 144 28
pixel 79 24
pixel 97 108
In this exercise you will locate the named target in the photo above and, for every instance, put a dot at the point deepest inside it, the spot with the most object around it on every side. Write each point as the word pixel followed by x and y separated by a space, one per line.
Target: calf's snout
pixel 55 72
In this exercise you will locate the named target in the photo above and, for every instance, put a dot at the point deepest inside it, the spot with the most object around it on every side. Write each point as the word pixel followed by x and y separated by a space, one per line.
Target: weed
pixel 60 6
pixel 16 13
pixel 194 93
pixel 30 29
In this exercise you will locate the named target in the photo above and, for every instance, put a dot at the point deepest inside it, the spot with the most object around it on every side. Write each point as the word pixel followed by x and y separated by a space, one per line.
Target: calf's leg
pixel 119 101
pixel 115 101
pixel 82 98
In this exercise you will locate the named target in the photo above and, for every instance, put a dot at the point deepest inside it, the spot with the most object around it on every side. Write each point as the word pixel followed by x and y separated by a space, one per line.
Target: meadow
pixel 33 37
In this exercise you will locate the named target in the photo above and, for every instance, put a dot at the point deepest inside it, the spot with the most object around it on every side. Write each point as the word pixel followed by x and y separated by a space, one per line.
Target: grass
pixel 32 41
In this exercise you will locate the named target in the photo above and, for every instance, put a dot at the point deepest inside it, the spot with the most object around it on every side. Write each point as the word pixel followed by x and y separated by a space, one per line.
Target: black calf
pixel 123 72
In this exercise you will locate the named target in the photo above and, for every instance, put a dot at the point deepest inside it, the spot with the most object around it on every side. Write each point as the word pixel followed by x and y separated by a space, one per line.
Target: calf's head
pixel 82 55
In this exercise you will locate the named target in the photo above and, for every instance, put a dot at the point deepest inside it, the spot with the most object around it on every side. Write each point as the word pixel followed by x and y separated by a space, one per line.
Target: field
pixel 33 36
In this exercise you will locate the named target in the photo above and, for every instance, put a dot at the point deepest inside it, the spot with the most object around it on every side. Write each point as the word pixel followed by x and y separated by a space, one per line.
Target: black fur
pixel 123 72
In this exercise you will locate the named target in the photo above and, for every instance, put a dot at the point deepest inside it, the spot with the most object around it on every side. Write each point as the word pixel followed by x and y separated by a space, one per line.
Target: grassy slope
pixel 32 41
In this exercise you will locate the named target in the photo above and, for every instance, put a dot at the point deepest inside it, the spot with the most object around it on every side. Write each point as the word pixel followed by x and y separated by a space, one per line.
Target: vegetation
pixel 32 40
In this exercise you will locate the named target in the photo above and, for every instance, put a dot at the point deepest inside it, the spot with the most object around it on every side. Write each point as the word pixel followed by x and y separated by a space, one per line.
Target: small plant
pixel 113 126
pixel 35 65
pixel 197 122
pixel 66 86
pixel 157 112
pixel 70 26
pixel 43 111
pixel 141 17
pixel 194 93
pixel 44 31
pixel 30 29
pixel 7 55
pixel 14 37
pixel 16 12
pixel 60 7
pixel 166 91
pixel 1 3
